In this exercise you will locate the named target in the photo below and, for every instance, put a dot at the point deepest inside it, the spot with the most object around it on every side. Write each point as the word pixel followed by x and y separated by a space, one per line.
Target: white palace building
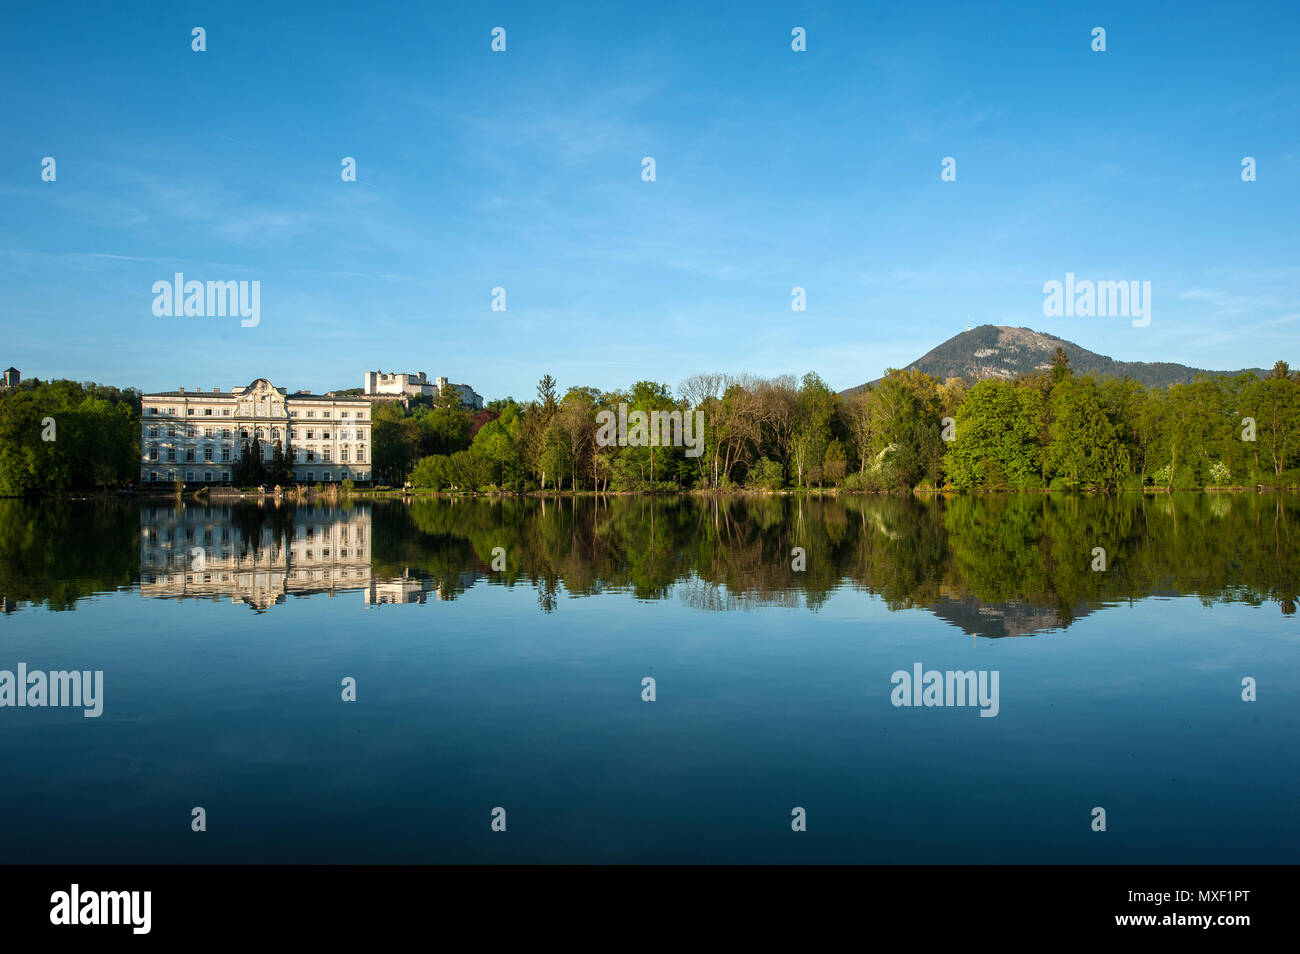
pixel 197 436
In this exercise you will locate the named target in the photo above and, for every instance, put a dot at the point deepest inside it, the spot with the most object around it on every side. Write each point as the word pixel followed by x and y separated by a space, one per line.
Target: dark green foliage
pixel 62 436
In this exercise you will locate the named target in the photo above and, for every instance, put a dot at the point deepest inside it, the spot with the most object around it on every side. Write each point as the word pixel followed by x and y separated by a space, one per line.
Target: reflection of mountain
pixel 1007 618
pixel 251 555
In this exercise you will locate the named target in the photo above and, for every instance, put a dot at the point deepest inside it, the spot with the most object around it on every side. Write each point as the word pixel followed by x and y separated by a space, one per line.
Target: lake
pixel 500 653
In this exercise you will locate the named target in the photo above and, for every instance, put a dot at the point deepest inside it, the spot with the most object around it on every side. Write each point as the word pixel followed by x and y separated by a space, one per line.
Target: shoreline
pixel 411 494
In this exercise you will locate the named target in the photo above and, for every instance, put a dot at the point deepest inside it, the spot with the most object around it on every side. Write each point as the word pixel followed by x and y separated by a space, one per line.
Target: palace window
pixel 153 453
pixel 190 411
pixel 171 455
pixel 171 430
pixel 311 456
pixel 361 453
pixel 189 457
pixel 343 455
pixel 309 433
pixel 225 454
pixel 207 412
pixel 207 456
pixel 325 455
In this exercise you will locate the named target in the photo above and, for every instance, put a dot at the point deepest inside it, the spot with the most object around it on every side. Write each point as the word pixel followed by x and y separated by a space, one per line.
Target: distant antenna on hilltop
pixel 968 322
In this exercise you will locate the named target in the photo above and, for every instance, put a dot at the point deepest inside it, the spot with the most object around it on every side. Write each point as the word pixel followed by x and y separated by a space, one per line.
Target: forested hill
pixel 998 351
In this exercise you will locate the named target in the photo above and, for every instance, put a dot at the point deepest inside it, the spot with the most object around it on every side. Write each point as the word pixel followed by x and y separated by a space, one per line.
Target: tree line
pixel 61 436
pixel 1050 430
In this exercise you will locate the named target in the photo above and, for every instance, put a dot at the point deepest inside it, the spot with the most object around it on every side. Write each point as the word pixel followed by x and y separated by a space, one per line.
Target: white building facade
pixel 198 436
pixel 398 383
pixel 406 384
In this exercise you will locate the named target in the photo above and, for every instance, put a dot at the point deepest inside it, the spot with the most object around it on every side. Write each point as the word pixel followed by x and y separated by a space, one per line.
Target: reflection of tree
pixel 257 525
pixel 703 595
pixel 990 563
pixel 1031 555
pixel 547 593
pixel 54 554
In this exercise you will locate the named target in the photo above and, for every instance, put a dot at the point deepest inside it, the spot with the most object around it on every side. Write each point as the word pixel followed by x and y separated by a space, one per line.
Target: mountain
pixel 998 351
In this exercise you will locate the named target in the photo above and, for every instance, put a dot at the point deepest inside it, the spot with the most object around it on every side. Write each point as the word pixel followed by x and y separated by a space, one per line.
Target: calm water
pixel 522 688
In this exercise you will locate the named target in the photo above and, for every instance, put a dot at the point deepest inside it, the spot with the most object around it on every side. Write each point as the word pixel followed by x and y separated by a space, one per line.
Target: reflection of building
pixel 408 589
pixel 254 556
pixel 198 436
pixel 406 384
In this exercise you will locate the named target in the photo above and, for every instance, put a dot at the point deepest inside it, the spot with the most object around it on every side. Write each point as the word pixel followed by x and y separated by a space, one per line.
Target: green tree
pixel 1275 402
pixel 494 443
pixel 1060 368
pixel 995 444
pixel 815 410
pixel 835 463
pixel 280 473
pixel 394 440
pixel 908 415
pixel 433 472
pixel 1086 450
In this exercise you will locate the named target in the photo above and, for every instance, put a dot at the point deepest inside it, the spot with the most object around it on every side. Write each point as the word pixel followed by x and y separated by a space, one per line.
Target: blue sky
pixel 523 170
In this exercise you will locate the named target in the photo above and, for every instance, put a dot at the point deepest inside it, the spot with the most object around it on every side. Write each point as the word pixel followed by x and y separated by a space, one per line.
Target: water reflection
pixel 992 566
pixel 251 554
